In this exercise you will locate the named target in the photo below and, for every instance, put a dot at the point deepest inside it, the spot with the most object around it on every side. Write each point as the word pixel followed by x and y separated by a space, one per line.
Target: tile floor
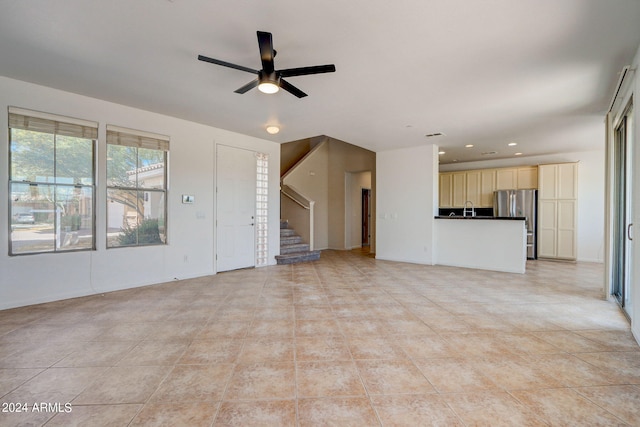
pixel 346 341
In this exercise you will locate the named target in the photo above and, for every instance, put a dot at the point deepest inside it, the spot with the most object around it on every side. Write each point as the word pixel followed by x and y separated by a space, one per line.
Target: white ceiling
pixel 485 72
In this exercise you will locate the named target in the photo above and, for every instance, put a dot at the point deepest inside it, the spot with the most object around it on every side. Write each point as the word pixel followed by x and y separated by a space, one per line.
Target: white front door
pixel 235 208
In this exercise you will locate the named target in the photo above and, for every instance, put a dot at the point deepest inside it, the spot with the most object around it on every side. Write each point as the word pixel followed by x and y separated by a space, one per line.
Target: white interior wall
pixel 591 192
pixel 30 279
pixel 406 203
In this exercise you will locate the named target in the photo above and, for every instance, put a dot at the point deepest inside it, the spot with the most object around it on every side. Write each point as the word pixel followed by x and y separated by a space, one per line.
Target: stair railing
pixel 302 217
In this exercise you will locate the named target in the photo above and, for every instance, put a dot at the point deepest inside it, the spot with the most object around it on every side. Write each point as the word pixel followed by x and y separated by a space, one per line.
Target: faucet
pixel 473 209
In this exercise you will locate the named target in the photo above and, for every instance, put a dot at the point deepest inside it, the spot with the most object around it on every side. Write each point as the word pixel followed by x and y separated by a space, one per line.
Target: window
pixel 262 208
pixel 51 180
pixel 136 187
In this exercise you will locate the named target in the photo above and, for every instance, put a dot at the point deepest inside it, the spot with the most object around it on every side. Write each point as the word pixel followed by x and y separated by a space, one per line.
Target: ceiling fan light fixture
pixel 268 87
pixel 268 82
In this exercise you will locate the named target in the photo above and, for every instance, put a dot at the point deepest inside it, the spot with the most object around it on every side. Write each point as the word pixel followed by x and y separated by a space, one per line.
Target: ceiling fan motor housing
pixel 272 77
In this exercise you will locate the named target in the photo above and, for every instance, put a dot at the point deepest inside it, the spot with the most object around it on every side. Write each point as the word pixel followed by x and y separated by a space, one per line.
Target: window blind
pixel 134 138
pixel 49 123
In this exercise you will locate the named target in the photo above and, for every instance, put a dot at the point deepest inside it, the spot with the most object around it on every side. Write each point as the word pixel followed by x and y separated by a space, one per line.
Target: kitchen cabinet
pixel 488 186
pixel 477 186
pixel 557 211
pixel 452 189
pixel 473 182
pixel 506 178
pixel 459 186
pixel 527 178
pixel 446 190
pixel 521 178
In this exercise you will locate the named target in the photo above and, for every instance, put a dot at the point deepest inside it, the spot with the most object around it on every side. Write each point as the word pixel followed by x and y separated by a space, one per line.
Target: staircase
pixel 292 249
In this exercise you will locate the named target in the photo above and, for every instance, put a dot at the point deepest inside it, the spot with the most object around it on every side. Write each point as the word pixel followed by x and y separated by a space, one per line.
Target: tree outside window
pixel 51 182
pixel 136 188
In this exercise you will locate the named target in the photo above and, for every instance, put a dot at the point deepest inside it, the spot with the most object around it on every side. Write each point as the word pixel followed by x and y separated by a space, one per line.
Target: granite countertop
pixel 515 218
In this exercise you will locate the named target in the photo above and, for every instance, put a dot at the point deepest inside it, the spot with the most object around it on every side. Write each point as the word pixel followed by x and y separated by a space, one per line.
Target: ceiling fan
pixel 269 79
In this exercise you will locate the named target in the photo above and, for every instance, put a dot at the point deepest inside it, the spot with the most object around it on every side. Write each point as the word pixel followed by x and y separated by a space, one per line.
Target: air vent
pixel 431 135
pixel 489 153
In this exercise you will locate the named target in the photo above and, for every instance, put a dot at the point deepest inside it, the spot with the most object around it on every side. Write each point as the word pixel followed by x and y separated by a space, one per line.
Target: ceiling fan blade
pixel 247 87
pixel 291 89
pixel 227 64
pixel 265 43
pixel 303 71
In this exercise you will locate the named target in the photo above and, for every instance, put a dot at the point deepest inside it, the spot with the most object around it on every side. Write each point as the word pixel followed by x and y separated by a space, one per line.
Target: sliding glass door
pixel 623 216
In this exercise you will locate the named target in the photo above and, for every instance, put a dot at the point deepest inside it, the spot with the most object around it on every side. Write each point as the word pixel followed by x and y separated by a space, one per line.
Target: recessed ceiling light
pixel 441 152
pixel 273 129
pixel 468 146
pixel 518 154
pixel 512 144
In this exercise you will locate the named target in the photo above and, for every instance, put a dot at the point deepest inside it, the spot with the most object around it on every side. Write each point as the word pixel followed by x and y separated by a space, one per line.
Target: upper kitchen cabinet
pixel 506 179
pixel 558 181
pixel 568 181
pixel 527 178
pixel 520 178
pixel 446 190
pixel 480 185
pixel 488 186
pixel 477 186
pixel 459 184
pixel 453 189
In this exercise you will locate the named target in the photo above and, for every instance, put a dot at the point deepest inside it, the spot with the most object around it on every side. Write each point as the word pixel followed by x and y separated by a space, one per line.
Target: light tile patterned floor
pixel 347 341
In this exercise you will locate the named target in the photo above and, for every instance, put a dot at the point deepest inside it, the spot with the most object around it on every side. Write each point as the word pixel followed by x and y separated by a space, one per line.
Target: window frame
pixel 163 145
pixel 59 120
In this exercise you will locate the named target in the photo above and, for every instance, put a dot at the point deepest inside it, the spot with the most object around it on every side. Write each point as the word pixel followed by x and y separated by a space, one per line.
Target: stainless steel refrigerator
pixel 514 203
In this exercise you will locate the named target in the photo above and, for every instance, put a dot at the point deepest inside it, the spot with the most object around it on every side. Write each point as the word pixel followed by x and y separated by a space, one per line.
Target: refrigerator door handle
pixel 512 204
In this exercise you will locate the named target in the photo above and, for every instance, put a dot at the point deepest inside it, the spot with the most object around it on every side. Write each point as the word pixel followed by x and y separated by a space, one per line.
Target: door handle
pixel 629 231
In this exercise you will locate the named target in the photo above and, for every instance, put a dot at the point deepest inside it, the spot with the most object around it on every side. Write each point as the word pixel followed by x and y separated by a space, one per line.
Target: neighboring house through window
pixel 51 180
pixel 136 187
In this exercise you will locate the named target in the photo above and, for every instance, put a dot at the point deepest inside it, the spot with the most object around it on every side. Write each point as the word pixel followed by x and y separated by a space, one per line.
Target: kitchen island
pixel 483 242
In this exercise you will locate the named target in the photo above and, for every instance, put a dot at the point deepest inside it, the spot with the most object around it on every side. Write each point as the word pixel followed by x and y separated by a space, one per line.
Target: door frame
pixel 217 205
pixel 621 106
pixel 622 216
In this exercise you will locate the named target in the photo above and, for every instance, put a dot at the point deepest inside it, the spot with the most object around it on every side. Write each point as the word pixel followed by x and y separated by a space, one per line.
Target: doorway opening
pixel 359 219
pixel 366 217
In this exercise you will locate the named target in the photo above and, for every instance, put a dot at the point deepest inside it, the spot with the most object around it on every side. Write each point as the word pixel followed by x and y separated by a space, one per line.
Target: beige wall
pixel 323 176
pixel 346 158
pixel 310 178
